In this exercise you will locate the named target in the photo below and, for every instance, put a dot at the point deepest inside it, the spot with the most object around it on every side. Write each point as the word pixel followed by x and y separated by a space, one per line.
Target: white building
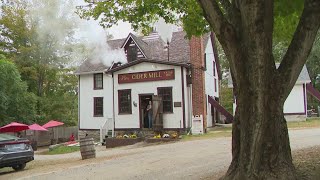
pixel 180 80
pixel 295 106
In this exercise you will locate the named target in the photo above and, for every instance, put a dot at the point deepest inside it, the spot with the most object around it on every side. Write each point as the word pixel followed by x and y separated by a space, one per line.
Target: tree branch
pixel 225 32
pixel 213 15
pixel 300 47
pixel 232 13
pixel 226 5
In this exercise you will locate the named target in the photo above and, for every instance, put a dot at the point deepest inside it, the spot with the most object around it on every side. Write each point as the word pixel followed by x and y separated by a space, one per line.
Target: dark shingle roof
pixel 116 43
pixel 154 49
pixel 90 66
pixel 179 49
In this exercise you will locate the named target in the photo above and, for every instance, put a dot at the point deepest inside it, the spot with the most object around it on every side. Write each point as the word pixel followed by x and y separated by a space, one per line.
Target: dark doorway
pixel 144 100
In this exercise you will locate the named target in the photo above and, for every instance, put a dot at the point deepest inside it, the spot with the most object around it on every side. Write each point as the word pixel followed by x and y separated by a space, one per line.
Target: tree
pixel 245 29
pixel 41 53
pixel 16 103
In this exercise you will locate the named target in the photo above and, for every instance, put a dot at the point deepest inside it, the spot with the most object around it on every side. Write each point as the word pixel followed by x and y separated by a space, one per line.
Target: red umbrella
pixel 14 127
pixel 37 127
pixel 52 123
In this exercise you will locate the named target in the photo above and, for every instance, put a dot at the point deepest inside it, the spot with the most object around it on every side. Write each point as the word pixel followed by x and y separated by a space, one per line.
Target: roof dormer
pixel 134 48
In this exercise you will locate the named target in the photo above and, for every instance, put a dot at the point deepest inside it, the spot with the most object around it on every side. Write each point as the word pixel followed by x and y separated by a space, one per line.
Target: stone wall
pixel 95 134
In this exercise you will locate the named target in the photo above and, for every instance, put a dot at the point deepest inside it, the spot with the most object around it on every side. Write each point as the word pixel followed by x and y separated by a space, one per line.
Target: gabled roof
pixel 303 77
pixel 154 49
pixel 146 60
pixel 139 43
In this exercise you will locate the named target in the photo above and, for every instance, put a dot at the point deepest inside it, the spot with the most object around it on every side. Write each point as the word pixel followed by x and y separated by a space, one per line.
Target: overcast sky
pixel 123 28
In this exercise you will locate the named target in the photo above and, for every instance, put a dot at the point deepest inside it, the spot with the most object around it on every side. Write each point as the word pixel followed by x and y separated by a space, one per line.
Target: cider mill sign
pixel 146 76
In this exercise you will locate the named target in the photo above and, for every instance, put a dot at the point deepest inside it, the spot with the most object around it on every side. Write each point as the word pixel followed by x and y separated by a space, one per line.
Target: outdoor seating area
pixel 38 135
pixel 15 127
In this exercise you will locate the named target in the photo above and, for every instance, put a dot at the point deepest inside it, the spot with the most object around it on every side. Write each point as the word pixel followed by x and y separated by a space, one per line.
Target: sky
pixel 124 28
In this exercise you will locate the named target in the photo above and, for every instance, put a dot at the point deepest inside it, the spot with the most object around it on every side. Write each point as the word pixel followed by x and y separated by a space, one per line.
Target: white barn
pixel 182 79
pixel 295 106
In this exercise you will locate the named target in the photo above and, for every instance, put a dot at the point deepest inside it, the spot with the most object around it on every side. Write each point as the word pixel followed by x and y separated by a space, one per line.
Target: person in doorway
pixel 149 112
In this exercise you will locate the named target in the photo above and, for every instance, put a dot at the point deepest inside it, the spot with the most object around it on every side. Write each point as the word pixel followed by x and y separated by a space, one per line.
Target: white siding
pixel 294 103
pixel 86 95
pixel 211 79
pixel 172 120
pixel 295 100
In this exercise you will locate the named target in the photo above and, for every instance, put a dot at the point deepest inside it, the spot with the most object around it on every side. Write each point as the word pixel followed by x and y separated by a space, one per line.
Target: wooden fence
pixel 52 136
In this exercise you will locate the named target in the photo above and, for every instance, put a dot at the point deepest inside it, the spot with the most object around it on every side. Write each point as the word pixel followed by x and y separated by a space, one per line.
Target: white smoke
pixel 95 39
pixel 76 38
pixel 165 30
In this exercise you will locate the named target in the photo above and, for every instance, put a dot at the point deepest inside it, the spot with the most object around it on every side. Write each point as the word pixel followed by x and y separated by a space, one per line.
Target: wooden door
pixel 157 113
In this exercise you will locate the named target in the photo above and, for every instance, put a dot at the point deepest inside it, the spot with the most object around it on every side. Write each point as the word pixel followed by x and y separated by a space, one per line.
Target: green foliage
pixel 16 103
pixel 143 13
pixel 313 62
pixel 226 97
pixel 286 15
pixel 286 19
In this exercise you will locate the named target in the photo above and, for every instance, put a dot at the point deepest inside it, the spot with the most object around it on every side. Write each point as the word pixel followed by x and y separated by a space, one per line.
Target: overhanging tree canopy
pixel 245 29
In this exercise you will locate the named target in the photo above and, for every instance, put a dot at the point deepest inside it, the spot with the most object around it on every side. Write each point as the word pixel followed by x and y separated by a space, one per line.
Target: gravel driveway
pixel 197 159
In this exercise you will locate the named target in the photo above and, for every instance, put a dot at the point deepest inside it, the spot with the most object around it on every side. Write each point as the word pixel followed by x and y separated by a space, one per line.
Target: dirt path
pixel 198 159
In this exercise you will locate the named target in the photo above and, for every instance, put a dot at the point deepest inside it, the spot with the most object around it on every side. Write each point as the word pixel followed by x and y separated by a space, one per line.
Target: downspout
pixel 183 100
pixel 78 104
pixel 190 104
pixel 114 120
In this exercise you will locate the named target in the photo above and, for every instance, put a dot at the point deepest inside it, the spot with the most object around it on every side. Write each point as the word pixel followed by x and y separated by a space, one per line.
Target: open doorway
pixel 144 101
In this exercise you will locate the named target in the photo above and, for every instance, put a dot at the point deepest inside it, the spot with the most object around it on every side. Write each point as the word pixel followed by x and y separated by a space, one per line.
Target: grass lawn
pixel 62 150
pixel 217 132
pixel 226 131
pixel 309 123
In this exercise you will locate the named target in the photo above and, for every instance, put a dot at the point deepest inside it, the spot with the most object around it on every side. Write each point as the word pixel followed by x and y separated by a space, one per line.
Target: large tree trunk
pixel 260 142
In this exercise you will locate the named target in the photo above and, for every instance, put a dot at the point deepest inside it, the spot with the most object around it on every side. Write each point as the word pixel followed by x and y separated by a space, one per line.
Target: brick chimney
pixel 198 78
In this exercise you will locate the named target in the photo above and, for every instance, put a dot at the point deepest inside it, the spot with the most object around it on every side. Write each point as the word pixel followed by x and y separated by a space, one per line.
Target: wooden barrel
pixel 87 148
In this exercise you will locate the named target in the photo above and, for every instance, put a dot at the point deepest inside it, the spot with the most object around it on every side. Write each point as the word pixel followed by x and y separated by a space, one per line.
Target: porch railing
pixel 105 128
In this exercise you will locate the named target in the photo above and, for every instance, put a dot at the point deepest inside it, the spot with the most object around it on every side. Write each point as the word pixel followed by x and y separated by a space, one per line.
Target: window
pixel 124 101
pixel 131 53
pixel 98 106
pixel 166 94
pixel 205 61
pixel 98 81
pixel 214 68
pixel 215 85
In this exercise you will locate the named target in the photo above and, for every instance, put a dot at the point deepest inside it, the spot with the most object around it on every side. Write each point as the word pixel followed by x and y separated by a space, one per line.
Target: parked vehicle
pixel 15 152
